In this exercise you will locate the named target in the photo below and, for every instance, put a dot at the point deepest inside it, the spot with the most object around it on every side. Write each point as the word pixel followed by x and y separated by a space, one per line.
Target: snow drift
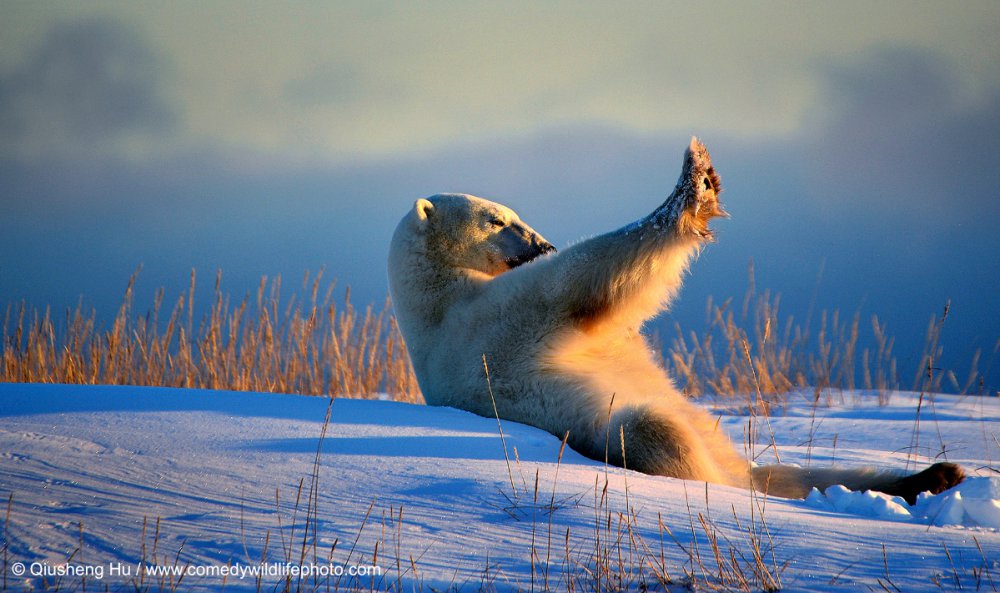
pixel 396 496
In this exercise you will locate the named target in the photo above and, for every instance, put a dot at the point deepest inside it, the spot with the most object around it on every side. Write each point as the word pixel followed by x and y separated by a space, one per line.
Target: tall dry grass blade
pixel 503 441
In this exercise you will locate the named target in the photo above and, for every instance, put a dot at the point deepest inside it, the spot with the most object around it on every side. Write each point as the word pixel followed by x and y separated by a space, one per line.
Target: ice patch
pixel 973 503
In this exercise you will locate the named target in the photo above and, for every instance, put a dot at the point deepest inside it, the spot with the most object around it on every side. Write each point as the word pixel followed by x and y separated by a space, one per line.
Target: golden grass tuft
pixel 316 347
pixel 757 350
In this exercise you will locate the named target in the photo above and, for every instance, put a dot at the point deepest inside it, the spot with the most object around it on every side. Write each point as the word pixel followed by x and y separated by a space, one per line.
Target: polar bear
pixel 560 334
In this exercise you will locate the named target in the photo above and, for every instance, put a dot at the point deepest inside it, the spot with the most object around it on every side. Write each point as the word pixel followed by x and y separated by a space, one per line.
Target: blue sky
pixel 859 143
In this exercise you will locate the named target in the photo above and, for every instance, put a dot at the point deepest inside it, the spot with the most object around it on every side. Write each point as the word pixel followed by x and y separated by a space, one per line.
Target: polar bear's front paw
pixel 695 200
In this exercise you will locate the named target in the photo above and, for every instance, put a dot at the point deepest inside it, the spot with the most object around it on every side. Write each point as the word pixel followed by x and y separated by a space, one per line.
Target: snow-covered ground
pixel 101 480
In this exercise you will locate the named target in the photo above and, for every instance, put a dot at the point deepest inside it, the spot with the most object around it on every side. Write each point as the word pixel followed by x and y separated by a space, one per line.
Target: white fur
pixel 560 334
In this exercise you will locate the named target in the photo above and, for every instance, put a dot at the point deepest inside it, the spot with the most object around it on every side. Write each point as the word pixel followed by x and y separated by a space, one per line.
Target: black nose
pixel 546 247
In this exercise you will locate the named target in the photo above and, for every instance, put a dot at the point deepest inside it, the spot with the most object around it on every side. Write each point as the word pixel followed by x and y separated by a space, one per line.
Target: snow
pixel 102 479
pixel 869 503
pixel 975 502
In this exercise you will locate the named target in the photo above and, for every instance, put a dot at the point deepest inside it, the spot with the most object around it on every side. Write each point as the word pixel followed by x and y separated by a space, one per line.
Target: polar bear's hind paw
pixel 695 200
pixel 935 479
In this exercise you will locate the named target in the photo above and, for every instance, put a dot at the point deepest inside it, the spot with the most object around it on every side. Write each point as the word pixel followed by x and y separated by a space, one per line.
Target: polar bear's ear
pixel 424 209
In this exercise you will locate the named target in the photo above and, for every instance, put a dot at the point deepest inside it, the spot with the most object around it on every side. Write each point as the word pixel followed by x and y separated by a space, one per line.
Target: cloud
pixel 891 84
pixel 900 132
pixel 324 86
pixel 91 85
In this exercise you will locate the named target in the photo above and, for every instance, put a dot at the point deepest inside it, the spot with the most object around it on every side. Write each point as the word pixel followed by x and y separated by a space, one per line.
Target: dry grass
pixel 788 355
pixel 315 347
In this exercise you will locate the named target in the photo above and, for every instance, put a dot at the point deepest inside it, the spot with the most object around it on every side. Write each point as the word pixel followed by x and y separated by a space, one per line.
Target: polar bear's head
pixel 466 232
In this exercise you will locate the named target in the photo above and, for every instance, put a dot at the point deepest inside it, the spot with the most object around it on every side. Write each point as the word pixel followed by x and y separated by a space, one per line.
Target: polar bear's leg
pixel 796 482
pixel 626 276
pixel 660 443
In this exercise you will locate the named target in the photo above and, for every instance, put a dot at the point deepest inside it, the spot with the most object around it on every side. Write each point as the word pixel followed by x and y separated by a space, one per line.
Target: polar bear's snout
pixel 523 243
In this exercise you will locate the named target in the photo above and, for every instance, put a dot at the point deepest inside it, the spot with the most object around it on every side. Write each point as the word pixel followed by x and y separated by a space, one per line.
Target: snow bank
pixel 973 503
pixel 866 504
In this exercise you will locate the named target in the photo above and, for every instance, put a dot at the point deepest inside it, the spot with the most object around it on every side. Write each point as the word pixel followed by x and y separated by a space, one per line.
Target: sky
pixel 859 144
